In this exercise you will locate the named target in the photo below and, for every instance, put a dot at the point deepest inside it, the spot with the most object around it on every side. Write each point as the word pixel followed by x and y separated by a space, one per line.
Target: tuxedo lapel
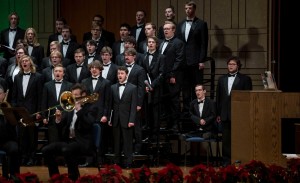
pixel 99 84
pixel 31 79
pixel 196 107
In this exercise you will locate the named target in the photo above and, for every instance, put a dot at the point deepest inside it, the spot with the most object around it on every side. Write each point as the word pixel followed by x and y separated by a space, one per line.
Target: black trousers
pixel 70 150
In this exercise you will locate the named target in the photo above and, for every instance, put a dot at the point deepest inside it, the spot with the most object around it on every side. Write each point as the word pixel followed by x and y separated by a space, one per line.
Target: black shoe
pixel 182 137
pixel 30 162
pixel 86 164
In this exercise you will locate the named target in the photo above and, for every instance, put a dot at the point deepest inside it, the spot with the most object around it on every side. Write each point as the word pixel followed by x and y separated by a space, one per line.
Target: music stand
pixel 14 114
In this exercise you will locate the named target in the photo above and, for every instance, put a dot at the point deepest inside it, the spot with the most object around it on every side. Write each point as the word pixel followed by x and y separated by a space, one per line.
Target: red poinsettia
pixel 141 175
pixel 28 178
pixel 277 174
pixel 90 179
pixel 112 174
pixel 169 174
pixel 257 170
pixel 293 168
pixel 58 178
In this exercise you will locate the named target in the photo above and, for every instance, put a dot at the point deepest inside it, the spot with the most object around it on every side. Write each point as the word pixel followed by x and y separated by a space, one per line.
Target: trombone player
pixel 76 134
pixel 51 95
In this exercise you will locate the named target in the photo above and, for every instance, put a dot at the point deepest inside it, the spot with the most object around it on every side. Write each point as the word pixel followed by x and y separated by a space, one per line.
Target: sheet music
pixel 149 79
pixel 10 48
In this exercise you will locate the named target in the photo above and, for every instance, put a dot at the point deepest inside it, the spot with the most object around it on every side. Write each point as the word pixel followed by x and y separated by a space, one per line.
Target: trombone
pixel 67 102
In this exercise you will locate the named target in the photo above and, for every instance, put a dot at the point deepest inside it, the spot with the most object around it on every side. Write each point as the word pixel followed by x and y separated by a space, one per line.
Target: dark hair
pixel 96 64
pixel 62 19
pixel 125 25
pixel 79 86
pixel 123 68
pixel 99 16
pixel 91 42
pixel 171 7
pixel 155 39
pixel 130 51
pixel 80 50
pixel 130 39
pixel 142 11
pixel 16 14
pixel 203 87
pixel 236 60
pixel 191 3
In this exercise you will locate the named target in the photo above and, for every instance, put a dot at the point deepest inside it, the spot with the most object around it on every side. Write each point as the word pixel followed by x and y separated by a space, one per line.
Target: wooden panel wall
pixel 79 14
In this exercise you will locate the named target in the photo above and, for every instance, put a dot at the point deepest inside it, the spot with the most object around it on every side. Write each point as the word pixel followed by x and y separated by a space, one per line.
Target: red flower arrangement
pixel 58 178
pixel 90 179
pixel 170 174
pixel 140 175
pixel 112 174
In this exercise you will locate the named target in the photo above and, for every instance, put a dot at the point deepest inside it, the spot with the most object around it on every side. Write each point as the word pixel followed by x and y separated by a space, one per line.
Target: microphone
pixel 147 84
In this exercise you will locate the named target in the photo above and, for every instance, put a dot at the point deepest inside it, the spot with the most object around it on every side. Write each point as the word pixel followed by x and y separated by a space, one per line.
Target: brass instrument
pixel 67 102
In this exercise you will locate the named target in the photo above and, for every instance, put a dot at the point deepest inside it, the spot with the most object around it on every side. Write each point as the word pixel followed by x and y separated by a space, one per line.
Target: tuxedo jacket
pixel 155 71
pixel 54 37
pixel 83 125
pixel 50 98
pixel 142 35
pixel 4 40
pixel 3 66
pixel 9 80
pixel 137 76
pixel 116 49
pixel 112 73
pixel 174 54
pixel 103 88
pixel 70 51
pixel 120 59
pixel 124 109
pixel 197 42
pixel 71 73
pixel 109 37
pixel 223 97
pixel 208 114
pixel 97 57
pixel 38 55
pixel 33 96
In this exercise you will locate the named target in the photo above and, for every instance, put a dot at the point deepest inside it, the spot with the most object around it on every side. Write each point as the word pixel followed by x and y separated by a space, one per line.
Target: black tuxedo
pixel 38 55
pixel 112 73
pixel 116 48
pixel 155 73
pixel 96 57
pixel 142 35
pixel 70 51
pixel 124 111
pixel 50 99
pixel 9 79
pixel 195 53
pixel 174 58
pixel 103 89
pixel 208 114
pixel 54 37
pixel 223 100
pixel 71 148
pixel 3 67
pixel 71 73
pixel 32 102
pixel 4 40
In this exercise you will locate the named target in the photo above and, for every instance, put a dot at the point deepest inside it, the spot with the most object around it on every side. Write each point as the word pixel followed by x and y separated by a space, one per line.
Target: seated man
pixel 76 134
pixel 203 114
pixel 8 137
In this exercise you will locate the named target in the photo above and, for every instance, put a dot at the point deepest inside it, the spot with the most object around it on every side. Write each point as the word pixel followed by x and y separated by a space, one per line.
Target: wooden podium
pixel 256 124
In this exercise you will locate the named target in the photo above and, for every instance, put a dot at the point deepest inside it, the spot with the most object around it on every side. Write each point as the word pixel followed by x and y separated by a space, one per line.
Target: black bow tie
pixel 30 44
pixel 167 40
pixel 150 54
pixel 122 84
pixel 106 65
pixel 15 29
pixel 65 43
pixel 127 65
pixel 94 78
pixel 231 75
pixel 57 82
pixel 121 41
pixel 189 20
pixel 201 101
pixel 26 74
pixel 139 27
pixel 91 56
pixel 78 66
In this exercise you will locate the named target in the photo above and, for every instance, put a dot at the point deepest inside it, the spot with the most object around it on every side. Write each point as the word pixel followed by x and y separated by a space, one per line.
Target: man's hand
pixel 138 108
pixel 130 124
pixel 201 66
pixel 45 121
pixel 202 122
pixel 219 119
pixel 103 119
pixel 172 80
